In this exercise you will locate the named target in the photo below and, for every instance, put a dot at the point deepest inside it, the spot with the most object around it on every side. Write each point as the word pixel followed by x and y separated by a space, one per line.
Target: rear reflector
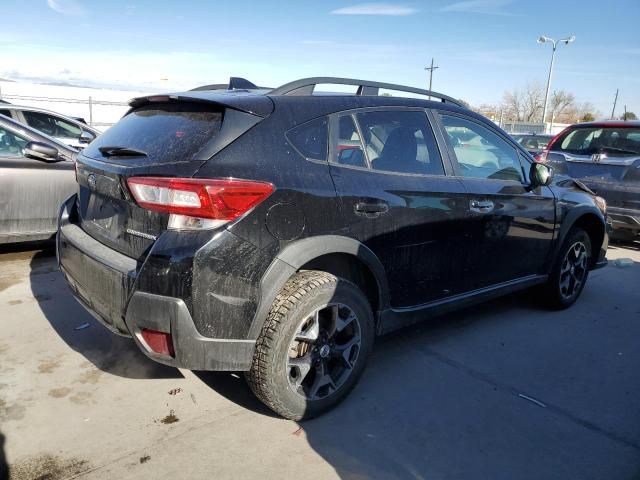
pixel 219 199
pixel 158 342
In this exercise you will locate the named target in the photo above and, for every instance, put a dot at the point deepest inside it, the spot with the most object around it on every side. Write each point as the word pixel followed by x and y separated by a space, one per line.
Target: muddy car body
pixel 278 232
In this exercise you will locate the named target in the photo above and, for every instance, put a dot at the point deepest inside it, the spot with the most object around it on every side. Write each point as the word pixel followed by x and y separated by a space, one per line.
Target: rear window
pixel 590 140
pixel 167 132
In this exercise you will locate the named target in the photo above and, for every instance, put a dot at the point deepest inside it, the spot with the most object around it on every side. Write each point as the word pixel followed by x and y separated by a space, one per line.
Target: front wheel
pixel 313 346
pixel 570 272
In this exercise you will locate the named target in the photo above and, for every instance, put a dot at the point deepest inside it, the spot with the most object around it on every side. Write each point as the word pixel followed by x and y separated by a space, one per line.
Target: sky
pixel 482 47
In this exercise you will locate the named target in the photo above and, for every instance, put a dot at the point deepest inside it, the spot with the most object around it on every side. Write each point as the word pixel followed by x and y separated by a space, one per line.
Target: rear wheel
pixel 313 346
pixel 569 274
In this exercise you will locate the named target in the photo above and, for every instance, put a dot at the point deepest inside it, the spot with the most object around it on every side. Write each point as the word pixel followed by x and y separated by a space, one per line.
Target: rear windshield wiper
pixel 117 151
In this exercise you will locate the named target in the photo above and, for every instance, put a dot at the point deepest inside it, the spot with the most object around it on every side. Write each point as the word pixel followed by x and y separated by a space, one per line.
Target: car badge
pixel 91 180
pixel 597 157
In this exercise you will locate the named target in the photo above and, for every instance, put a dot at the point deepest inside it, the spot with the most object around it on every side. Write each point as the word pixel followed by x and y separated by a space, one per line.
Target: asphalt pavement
pixel 506 390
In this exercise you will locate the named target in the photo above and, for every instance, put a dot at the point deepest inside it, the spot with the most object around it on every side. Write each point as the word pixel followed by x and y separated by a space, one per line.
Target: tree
pixel 560 101
pixel 524 105
pixel 628 116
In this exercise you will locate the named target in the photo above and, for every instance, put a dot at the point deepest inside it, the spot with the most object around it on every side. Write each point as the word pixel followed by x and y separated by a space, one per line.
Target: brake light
pixel 221 200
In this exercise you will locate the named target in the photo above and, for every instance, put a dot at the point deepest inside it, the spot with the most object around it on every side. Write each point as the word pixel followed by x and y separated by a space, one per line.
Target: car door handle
pixel 371 209
pixel 481 206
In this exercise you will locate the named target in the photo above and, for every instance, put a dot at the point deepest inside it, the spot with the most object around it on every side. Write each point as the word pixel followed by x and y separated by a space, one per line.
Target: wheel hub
pixel 323 351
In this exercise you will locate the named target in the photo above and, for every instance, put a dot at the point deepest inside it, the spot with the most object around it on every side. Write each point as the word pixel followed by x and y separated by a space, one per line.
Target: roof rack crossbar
pixel 306 86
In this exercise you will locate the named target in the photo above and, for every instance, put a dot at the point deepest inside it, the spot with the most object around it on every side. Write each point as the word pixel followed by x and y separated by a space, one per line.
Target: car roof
pixel 12 106
pixel 609 123
pixel 240 94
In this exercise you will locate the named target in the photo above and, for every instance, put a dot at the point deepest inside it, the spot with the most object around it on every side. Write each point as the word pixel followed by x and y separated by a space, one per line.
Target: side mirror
pixel 40 151
pixel 86 137
pixel 540 175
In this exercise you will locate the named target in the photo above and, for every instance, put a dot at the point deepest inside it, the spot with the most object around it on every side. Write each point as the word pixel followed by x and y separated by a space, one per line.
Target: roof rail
pixel 306 86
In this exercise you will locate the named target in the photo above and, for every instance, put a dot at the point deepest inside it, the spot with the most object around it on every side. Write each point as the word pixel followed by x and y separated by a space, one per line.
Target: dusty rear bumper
pixel 103 281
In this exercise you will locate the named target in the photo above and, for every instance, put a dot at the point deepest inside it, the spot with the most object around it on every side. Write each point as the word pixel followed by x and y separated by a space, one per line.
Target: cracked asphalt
pixel 506 390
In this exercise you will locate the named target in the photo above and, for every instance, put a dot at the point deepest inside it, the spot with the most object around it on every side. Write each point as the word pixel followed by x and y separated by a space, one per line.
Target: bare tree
pixel 560 102
pixel 524 105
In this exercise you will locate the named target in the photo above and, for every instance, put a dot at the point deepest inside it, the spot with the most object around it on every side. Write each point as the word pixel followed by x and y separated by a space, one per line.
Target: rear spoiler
pixel 259 105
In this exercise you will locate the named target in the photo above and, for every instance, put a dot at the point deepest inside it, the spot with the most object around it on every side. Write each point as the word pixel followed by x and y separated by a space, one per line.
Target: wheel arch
pixel 589 220
pixel 341 256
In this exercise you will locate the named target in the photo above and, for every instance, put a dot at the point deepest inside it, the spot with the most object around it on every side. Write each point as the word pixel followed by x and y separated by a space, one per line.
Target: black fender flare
pixel 570 219
pixel 300 252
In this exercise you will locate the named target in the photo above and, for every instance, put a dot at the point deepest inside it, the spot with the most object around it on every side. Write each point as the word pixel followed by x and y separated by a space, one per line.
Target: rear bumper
pixel 104 281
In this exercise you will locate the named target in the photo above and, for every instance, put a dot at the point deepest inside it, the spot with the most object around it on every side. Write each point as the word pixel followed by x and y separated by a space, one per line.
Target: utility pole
pixel 431 69
pixel 615 101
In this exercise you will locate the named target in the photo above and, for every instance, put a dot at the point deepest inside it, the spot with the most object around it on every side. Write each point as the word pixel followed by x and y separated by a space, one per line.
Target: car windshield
pixel 533 142
pixel 614 141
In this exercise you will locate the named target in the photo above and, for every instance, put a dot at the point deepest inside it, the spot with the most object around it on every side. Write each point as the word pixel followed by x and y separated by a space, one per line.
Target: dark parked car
pixel 605 156
pixel 36 175
pixel 279 232
pixel 533 142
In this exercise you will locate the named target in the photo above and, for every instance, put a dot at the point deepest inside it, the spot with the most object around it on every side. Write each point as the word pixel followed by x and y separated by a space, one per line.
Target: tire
pixel 568 278
pixel 289 368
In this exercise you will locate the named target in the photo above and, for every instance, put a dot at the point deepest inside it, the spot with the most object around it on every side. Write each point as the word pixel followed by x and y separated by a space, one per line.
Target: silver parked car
pixel 65 129
pixel 37 173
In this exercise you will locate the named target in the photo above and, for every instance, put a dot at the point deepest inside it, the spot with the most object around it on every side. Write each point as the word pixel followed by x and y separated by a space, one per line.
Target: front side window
pixel 480 153
pixel 6 113
pixel 51 125
pixel 11 145
pixel 401 142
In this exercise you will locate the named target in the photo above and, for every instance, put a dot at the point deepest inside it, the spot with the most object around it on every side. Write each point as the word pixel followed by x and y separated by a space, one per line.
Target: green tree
pixel 628 116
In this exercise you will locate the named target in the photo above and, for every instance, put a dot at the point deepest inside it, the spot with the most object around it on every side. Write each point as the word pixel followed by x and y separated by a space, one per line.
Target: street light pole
pixel 544 39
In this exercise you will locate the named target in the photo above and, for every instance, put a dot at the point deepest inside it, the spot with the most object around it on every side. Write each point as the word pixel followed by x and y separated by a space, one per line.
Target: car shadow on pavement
pixel 73 324
pixel 234 388
pixel 4 466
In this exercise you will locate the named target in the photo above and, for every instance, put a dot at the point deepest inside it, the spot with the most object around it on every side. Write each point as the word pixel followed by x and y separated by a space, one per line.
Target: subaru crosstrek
pixel 277 232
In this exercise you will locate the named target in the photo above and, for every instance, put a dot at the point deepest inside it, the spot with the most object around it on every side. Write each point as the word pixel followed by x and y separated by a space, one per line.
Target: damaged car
pixel 277 232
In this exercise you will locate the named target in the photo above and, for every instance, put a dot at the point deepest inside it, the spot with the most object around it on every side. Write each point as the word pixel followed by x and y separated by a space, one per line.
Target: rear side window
pixel 400 141
pixel 166 132
pixel 615 142
pixel 310 138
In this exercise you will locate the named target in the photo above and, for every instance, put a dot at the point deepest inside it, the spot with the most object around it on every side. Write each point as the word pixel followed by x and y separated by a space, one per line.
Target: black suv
pixel 277 232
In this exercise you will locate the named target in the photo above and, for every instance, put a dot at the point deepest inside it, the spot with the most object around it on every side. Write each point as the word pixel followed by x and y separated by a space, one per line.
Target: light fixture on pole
pixel 555 43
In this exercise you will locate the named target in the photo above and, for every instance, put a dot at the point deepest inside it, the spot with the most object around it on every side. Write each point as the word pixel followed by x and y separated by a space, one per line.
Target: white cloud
pixel 376 9
pixel 486 7
pixel 66 7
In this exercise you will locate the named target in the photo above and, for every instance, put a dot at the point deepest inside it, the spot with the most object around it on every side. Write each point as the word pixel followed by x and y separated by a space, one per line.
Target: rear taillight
pixel 217 201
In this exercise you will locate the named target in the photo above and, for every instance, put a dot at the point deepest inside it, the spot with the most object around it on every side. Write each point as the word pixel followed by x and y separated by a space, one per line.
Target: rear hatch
pixel 162 136
pixel 605 158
